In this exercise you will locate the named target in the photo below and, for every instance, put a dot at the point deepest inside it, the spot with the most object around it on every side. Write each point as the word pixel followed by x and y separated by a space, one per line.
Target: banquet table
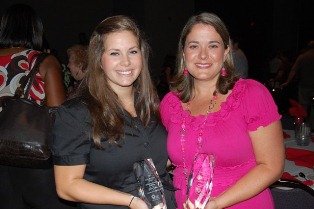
pixel 292 166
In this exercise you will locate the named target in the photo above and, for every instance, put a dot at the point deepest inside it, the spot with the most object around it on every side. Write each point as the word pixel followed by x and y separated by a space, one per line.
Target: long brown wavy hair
pixel 183 84
pixel 102 102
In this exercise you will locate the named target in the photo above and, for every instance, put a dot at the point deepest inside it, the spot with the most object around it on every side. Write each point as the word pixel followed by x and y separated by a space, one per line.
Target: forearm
pixel 292 73
pixel 81 190
pixel 71 185
pixel 254 182
pixel 278 76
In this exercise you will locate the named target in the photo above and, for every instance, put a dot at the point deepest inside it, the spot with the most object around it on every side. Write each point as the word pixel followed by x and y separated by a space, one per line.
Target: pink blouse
pixel 225 135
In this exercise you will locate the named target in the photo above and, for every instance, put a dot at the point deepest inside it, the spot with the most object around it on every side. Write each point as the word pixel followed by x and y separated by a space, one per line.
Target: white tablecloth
pixel 290 166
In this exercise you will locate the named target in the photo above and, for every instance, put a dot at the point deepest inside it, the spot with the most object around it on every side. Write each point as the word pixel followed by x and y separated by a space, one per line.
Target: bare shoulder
pixel 51 64
pixel 51 61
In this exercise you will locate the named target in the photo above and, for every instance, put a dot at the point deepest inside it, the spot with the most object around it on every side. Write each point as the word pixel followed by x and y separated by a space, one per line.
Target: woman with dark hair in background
pixel 21 39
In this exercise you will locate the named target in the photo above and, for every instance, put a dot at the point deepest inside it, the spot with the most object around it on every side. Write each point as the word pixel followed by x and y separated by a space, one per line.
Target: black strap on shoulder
pixel 28 80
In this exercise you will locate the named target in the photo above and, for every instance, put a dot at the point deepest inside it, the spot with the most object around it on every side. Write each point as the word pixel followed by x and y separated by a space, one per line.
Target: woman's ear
pixel 227 51
pixel 80 65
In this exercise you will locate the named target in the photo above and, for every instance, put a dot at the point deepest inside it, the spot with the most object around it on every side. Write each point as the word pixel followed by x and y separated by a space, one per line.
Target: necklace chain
pixel 211 106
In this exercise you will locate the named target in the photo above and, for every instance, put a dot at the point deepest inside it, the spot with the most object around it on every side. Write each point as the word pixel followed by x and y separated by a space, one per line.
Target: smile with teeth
pixel 125 72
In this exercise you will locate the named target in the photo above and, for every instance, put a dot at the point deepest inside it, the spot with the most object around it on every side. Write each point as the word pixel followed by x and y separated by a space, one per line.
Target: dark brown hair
pixel 183 84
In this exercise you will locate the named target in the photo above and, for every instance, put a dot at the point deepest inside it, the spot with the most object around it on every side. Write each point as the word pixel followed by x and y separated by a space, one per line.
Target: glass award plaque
pixel 200 181
pixel 150 188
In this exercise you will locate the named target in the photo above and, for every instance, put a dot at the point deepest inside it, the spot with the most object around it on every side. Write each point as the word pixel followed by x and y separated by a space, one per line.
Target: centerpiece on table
pixel 297 111
pixel 301 127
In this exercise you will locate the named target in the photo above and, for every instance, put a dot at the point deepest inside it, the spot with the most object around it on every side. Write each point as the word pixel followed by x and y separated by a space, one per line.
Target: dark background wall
pixel 264 27
pixel 261 26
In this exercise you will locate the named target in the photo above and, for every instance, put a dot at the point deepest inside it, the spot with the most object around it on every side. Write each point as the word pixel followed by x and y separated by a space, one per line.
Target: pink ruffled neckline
pixel 232 102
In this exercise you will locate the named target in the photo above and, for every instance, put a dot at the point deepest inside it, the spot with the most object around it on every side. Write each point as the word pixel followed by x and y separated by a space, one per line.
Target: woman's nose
pixel 125 60
pixel 203 54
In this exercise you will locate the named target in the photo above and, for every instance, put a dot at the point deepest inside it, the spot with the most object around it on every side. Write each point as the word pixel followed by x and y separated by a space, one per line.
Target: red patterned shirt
pixel 13 67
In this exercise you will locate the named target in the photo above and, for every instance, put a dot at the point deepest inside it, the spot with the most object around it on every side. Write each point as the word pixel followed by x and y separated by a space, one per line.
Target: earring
pixel 215 95
pixel 223 72
pixel 186 72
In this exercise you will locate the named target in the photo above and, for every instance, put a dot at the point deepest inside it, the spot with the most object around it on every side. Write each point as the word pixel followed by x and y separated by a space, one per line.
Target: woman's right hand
pixel 138 203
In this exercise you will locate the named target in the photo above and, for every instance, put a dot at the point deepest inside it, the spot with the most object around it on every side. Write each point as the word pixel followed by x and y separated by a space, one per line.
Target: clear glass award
pixel 150 188
pixel 200 181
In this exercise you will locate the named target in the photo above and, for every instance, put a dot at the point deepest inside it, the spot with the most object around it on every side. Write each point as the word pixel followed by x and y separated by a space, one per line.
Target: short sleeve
pixel 259 106
pixel 71 134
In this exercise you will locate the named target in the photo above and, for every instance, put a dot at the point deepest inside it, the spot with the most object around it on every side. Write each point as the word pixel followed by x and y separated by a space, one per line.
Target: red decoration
pixel 297 111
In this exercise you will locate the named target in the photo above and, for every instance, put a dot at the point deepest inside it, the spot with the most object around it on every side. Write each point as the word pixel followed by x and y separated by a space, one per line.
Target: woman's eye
pixel 134 52
pixel 193 46
pixel 213 46
pixel 114 53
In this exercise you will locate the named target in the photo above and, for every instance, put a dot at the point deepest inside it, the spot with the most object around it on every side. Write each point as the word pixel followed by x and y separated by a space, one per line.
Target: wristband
pixel 131 201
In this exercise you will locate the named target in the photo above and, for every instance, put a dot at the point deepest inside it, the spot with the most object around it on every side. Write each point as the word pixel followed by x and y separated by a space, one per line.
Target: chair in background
pixel 289 194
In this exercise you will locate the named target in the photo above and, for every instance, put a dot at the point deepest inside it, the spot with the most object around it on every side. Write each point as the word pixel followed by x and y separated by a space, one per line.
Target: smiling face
pixel 204 52
pixel 122 59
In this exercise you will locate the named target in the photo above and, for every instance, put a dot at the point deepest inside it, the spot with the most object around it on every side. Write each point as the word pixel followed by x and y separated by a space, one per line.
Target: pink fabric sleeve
pixel 259 108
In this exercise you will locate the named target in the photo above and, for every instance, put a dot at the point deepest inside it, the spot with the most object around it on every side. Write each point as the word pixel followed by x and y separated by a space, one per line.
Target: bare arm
pixel 292 73
pixel 71 186
pixel 50 70
pixel 270 154
pixel 279 74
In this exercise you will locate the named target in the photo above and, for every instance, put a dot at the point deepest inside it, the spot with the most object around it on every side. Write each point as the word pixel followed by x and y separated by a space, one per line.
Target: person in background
pixel 274 64
pixel 212 111
pixel 77 63
pixel 112 123
pixel 166 75
pixel 303 68
pixel 240 61
pixel 21 38
pixel 68 80
pixel 282 95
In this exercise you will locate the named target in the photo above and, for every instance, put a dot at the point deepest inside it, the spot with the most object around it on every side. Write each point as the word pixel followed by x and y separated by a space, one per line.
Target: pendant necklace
pixel 211 106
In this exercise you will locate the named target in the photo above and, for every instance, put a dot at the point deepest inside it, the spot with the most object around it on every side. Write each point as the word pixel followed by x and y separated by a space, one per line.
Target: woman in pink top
pixel 212 111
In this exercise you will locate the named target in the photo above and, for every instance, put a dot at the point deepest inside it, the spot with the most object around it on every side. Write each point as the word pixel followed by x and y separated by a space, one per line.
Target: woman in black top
pixel 113 123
